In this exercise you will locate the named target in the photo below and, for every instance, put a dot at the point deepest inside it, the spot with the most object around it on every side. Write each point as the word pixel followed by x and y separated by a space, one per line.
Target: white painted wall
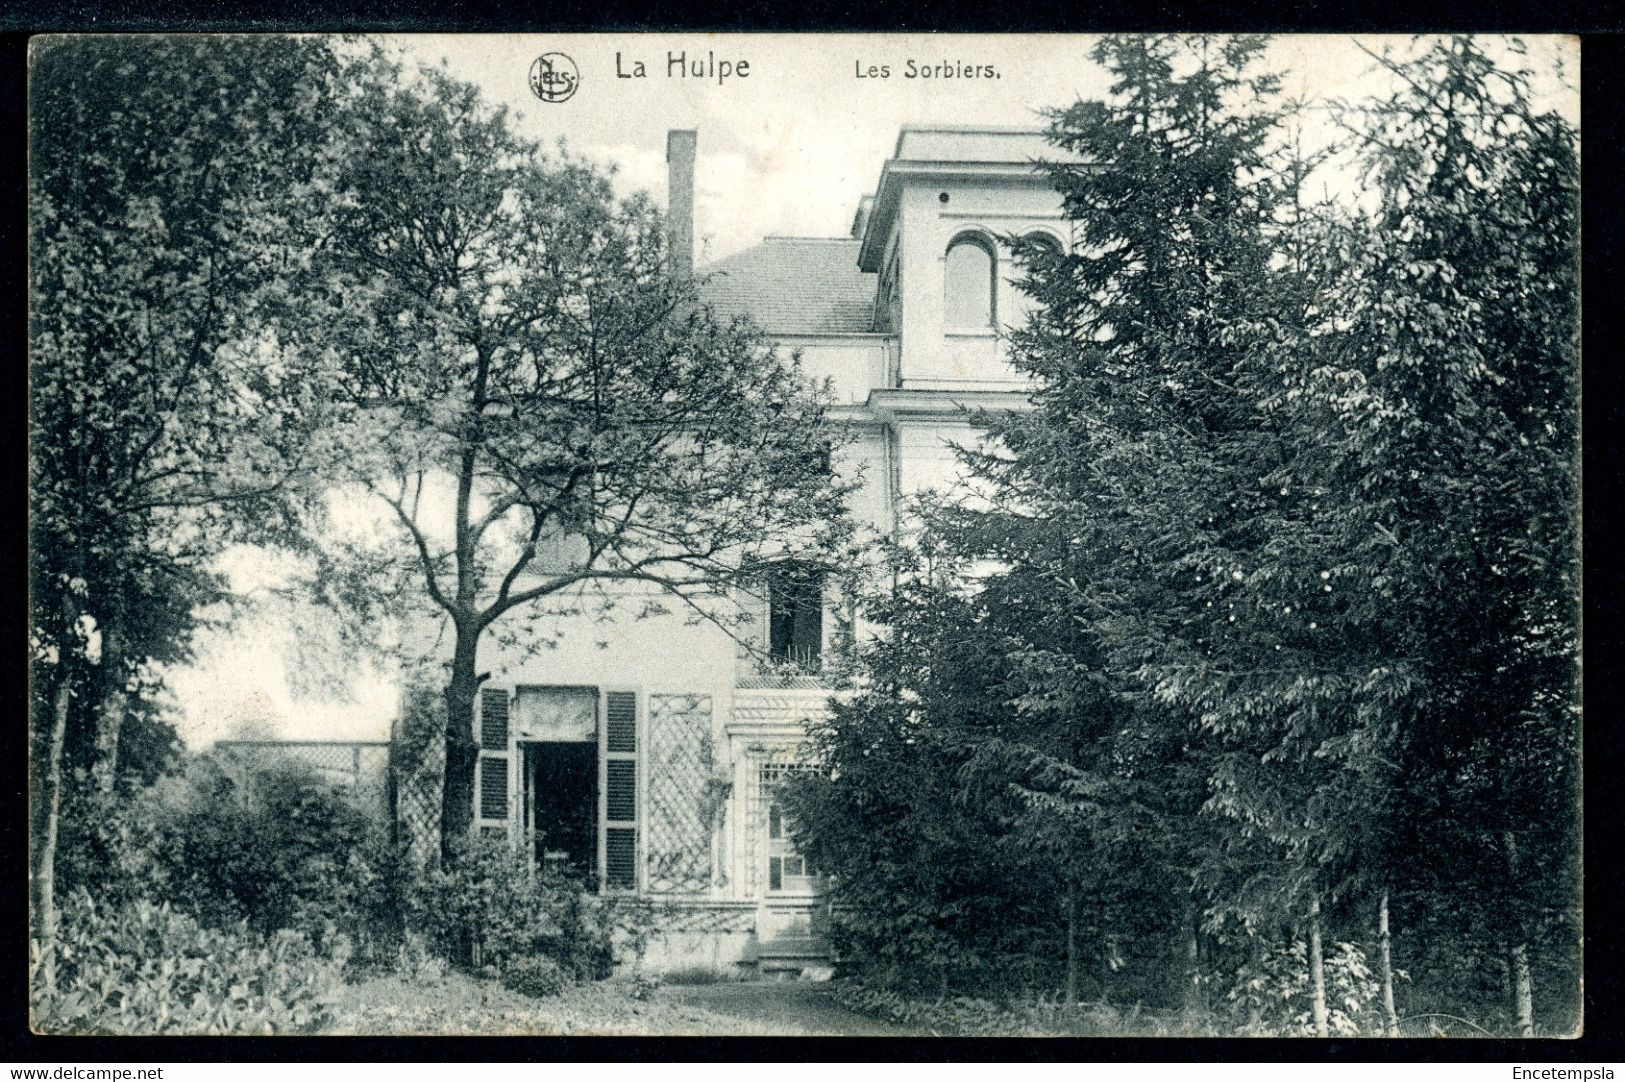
pixel 931 357
pixel 851 364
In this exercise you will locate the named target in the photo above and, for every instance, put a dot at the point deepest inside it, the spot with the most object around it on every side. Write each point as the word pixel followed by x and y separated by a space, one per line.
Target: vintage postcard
pixel 836 534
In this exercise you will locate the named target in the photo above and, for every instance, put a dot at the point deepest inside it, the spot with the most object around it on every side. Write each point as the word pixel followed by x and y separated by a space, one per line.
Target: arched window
pixel 968 286
pixel 1049 245
pixel 1037 249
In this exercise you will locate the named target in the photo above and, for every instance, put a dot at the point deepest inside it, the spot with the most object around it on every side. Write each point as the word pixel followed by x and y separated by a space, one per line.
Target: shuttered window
pixel 622 790
pixel 621 722
pixel 621 858
pixel 493 775
pixel 494 719
pixel 494 787
pixel 618 757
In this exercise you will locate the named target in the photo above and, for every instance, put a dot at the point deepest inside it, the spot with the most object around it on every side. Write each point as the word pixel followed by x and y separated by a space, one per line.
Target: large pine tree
pixel 1451 407
pixel 1281 634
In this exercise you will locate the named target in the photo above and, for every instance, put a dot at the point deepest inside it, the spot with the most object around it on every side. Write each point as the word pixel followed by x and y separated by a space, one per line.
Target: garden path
pixel 794 1007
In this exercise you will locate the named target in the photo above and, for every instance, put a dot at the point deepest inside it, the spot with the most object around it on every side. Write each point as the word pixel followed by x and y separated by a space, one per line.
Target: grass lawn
pixel 459 1004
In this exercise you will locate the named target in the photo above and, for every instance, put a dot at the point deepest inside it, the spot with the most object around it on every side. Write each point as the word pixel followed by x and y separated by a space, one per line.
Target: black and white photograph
pixel 804 535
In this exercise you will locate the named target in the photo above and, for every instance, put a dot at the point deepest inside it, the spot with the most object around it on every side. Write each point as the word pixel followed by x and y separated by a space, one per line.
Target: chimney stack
pixel 680 198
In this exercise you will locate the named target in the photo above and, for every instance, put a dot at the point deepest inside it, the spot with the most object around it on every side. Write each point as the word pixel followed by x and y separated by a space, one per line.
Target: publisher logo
pixel 553 77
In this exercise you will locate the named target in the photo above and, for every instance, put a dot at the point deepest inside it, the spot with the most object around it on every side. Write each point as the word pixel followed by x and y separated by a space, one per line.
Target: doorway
pixel 561 804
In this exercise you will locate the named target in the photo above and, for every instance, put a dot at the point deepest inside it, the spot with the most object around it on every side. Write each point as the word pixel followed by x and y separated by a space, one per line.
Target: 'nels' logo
pixel 553 77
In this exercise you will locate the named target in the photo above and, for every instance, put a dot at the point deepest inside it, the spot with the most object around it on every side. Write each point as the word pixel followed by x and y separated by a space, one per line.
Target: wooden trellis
pixel 684 804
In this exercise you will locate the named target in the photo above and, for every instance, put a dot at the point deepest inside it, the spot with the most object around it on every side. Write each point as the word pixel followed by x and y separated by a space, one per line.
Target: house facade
pixel 647 752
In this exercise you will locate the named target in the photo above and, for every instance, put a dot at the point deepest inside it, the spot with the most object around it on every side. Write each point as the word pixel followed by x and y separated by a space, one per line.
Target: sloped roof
pixel 795 285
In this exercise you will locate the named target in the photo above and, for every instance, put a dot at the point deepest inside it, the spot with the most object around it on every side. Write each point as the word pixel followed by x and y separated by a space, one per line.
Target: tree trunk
pixel 1523 991
pixel 1317 971
pixel 1255 958
pixel 1389 1015
pixel 111 710
pixel 1193 964
pixel 1071 947
pixel 462 753
pixel 51 784
pixel 462 750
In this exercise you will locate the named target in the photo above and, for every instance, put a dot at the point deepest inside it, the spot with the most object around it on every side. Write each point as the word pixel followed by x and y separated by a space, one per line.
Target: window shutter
pixel 618 786
pixel 493 775
pixel 494 719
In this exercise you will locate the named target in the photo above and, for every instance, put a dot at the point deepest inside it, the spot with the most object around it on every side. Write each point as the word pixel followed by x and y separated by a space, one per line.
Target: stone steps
pixel 794 958
pixel 794 946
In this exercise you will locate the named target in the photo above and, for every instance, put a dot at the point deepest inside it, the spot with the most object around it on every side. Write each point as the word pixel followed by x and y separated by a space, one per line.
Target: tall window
pixel 969 286
pixel 795 615
pixel 787 870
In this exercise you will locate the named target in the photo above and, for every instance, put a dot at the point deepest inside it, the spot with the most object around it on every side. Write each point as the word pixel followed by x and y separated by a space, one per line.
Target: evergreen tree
pixel 1155 449
pixel 1451 406
pixel 1283 599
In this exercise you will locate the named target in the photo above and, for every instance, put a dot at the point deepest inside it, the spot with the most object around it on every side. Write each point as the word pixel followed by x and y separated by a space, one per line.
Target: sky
pixel 790 138
pixel 790 147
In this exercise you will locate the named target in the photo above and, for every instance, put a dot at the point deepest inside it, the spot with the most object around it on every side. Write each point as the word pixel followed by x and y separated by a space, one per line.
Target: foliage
pixel 643 986
pixel 1274 586
pixel 537 976
pixel 165 175
pixel 112 845
pixel 1271 996
pixel 980 779
pixel 1177 494
pixel 487 906
pixel 1459 422
pixel 925 890
pixel 1030 701
pixel 279 849
pixel 961 1016
pixel 534 400
pixel 169 179
pixel 147 969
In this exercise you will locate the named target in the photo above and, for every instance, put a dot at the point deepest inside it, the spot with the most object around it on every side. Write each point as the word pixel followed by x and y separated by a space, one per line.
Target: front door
pixel 560 804
pixel 556 731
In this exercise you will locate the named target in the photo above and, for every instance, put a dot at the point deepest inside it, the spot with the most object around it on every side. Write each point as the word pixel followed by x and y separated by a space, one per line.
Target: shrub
pixel 111 845
pixel 278 848
pixel 643 986
pixel 693 975
pixel 1272 996
pixel 145 968
pixel 490 906
pixel 535 975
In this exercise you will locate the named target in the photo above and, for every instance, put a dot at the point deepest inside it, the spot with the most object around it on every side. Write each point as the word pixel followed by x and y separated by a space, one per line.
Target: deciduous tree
pixel 166 177
pixel 536 400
